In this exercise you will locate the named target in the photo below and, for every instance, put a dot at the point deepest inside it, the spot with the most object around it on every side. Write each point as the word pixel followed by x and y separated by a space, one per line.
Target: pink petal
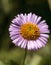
pixel 42 22
pixel 21 41
pixel 38 20
pixel 41 39
pixel 35 19
pixel 24 43
pixel 14 33
pixel 29 17
pixel 14 37
pixel 35 45
pixel 31 45
pixel 13 28
pixel 40 43
pixel 44 31
pixel 45 35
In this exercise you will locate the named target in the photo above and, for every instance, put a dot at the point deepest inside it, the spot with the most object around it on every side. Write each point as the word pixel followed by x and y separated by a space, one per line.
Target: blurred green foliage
pixel 11 55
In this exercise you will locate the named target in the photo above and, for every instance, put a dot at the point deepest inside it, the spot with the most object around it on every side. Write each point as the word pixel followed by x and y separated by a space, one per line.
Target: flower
pixel 28 31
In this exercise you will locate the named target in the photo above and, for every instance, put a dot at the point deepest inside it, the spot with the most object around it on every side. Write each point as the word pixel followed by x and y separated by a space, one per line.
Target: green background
pixel 9 53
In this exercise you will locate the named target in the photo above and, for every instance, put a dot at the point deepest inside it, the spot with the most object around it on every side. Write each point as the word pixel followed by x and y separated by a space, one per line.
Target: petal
pixel 44 31
pixel 41 39
pixel 29 17
pixel 14 37
pixel 42 22
pixel 12 28
pixel 25 18
pixel 43 26
pixel 24 43
pixel 17 21
pixel 17 40
pixel 45 35
pixel 35 19
pixel 38 20
pixel 30 45
pixel 35 45
pixel 14 25
pixel 40 43
pixel 21 41
pixel 14 33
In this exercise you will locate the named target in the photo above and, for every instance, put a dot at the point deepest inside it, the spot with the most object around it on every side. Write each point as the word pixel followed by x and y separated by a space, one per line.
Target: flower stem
pixel 24 56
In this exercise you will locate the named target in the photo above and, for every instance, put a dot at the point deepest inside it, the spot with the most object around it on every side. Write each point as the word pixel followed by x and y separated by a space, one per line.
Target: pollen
pixel 29 31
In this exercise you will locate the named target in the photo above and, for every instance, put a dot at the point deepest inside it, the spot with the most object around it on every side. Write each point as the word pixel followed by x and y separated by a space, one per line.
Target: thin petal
pixel 14 37
pixel 42 22
pixel 35 19
pixel 13 28
pixel 17 21
pixel 44 31
pixel 15 25
pixel 29 17
pixel 17 40
pixel 25 18
pixel 21 41
pixel 43 26
pixel 14 33
pixel 41 39
pixel 45 35
pixel 30 45
pixel 38 20
pixel 24 43
pixel 35 45
pixel 40 43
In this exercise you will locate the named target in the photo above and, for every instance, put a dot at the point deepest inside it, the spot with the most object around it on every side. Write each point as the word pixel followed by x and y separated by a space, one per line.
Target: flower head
pixel 28 31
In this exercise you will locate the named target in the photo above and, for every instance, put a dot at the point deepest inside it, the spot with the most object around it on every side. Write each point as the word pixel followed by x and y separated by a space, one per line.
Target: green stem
pixel 24 56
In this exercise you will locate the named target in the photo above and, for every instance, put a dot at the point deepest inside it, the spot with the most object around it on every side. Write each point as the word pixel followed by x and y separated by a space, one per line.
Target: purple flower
pixel 28 31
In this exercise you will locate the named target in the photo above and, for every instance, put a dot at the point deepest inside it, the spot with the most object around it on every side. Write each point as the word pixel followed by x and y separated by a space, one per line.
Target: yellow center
pixel 29 31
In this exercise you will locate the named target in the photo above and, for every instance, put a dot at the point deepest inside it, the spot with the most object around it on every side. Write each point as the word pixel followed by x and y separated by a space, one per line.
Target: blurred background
pixel 11 55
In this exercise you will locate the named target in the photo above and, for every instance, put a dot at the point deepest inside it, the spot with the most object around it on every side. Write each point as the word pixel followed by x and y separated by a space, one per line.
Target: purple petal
pixel 29 17
pixel 44 30
pixel 43 26
pixel 14 33
pixel 41 39
pixel 42 22
pixel 14 25
pixel 45 35
pixel 13 28
pixel 35 45
pixel 14 37
pixel 25 19
pixel 21 41
pixel 30 45
pixel 24 43
pixel 38 20
pixel 17 40
pixel 35 19
pixel 17 21
pixel 40 43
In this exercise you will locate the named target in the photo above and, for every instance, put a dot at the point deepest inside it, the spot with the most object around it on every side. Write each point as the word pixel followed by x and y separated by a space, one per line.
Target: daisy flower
pixel 28 31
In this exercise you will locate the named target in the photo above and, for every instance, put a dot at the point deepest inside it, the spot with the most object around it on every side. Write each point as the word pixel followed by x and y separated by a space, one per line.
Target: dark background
pixel 11 55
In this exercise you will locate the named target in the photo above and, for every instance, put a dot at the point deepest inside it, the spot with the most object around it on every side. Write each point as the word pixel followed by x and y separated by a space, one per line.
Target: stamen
pixel 29 31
